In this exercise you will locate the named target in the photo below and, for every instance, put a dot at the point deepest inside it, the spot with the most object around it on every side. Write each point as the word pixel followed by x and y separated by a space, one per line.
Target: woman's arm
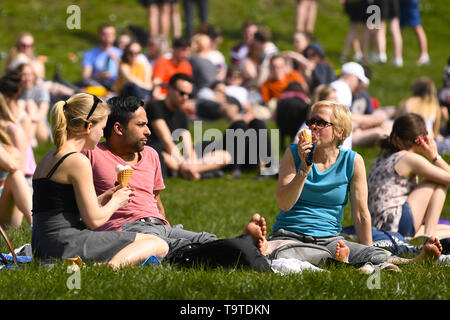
pixel 290 181
pixel 412 163
pixel 358 197
pixel 80 176
pixel 19 140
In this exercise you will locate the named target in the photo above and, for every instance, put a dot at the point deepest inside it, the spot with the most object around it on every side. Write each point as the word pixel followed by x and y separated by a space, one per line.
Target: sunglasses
pixel 318 122
pixel 134 53
pixel 26 45
pixel 182 93
pixel 94 106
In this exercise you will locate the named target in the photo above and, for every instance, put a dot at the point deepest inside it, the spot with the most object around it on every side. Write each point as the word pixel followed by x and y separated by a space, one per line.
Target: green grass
pixel 221 206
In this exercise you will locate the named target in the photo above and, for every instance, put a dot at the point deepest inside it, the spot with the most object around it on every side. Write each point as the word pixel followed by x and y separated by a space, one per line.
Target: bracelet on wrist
pixel 436 158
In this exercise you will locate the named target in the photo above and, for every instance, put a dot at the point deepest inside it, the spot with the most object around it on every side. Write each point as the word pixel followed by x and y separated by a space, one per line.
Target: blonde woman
pixel 15 194
pixel 66 209
pixel 424 101
pixel 312 197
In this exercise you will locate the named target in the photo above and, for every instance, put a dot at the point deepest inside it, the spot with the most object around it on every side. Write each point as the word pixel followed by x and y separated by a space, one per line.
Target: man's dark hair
pixel 180 76
pixel 122 109
pixel 181 43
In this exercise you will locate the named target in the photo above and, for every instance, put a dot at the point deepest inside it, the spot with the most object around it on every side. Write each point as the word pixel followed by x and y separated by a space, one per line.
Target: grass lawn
pixel 221 206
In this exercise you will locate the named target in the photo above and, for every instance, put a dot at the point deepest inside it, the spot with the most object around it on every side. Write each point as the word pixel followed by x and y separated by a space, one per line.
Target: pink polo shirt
pixel 145 179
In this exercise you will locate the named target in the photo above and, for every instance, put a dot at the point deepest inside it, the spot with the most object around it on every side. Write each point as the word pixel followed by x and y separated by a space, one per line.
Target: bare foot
pixel 342 251
pixel 257 229
pixel 431 250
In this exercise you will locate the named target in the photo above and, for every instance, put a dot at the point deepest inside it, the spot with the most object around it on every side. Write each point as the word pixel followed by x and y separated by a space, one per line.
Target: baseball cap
pixel 357 70
pixel 317 48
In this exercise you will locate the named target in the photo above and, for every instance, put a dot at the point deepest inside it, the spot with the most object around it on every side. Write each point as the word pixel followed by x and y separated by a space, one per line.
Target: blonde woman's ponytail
pixel 59 124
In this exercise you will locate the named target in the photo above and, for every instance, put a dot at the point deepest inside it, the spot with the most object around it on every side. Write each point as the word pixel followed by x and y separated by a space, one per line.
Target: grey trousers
pixel 175 236
pixel 359 253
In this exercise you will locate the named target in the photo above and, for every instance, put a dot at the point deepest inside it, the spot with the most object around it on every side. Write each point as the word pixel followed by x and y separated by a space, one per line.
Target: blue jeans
pixel 406 224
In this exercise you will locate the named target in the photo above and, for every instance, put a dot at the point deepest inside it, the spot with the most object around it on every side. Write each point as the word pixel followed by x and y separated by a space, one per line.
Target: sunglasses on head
pixel 318 122
pixel 94 106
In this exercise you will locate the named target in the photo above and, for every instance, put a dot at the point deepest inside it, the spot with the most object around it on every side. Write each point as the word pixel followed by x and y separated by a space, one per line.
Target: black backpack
pixel 235 253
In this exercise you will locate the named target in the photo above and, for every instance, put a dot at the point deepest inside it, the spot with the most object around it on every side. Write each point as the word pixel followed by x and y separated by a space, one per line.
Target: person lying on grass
pixel 312 196
pixel 126 134
pixel 397 201
pixel 66 209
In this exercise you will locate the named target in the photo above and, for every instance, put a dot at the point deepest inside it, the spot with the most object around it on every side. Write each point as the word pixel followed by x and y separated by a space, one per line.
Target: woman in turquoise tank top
pixel 312 197
pixel 312 193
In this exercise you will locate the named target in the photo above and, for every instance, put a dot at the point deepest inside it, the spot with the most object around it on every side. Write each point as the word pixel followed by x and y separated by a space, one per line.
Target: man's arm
pixel 159 203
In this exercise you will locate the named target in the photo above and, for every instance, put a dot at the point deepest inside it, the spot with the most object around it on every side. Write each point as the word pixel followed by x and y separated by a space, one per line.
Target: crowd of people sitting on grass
pixel 140 101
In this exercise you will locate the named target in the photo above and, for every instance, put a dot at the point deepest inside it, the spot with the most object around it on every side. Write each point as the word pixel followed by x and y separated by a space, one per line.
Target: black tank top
pixel 53 197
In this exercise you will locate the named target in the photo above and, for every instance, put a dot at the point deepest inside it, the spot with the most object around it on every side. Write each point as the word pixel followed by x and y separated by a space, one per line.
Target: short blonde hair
pixel 70 116
pixel 340 117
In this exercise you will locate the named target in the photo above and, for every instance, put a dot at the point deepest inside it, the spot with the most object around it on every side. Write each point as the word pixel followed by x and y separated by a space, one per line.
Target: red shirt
pixel 273 88
pixel 165 69
pixel 145 179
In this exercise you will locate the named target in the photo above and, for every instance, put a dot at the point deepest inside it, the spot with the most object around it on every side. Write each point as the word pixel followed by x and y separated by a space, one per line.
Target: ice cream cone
pixel 123 177
pixel 306 134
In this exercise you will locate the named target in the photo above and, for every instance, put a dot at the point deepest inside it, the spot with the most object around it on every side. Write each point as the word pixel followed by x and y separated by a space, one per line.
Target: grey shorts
pixel 175 236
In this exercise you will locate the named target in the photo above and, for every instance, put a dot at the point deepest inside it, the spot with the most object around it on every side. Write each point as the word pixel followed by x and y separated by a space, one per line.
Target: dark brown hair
pixel 404 131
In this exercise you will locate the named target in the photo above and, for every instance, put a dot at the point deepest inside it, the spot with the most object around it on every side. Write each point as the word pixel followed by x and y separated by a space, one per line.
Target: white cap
pixel 357 70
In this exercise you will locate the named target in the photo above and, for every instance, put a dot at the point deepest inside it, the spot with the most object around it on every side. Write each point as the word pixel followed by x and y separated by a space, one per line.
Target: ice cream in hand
pixel 123 174
pixel 306 135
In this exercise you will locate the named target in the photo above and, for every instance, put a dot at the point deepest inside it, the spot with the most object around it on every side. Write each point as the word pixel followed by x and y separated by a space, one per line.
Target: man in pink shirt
pixel 126 134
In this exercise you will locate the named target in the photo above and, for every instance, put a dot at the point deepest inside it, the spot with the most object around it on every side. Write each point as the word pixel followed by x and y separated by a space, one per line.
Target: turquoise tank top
pixel 320 207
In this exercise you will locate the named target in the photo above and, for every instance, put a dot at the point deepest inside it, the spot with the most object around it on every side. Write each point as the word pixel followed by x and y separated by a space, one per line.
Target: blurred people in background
pixel 101 64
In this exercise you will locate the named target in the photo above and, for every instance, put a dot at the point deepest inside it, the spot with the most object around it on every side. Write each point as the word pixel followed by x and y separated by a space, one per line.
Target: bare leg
pixel 176 20
pixel 213 161
pixel 426 202
pixel 352 35
pixel 257 229
pixel 153 20
pixel 397 38
pixel 311 16
pixel 300 11
pixel 342 251
pixel 144 246
pixel 165 19
pixel 422 38
pixel 423 45
pixel 381 39
pixel 431 251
